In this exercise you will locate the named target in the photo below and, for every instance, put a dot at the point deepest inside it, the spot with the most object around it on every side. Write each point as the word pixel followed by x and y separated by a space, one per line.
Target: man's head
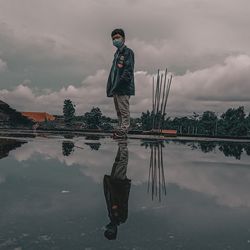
pixel 111 231
pixel 118 37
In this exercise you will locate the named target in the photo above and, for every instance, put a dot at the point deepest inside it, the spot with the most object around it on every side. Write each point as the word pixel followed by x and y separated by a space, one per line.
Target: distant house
pixel 166 132
pixel 169 132
pixel 39 116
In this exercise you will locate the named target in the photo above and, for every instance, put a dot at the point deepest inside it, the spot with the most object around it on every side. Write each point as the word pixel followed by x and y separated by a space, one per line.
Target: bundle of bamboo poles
pixel 156 176
pixel 161 88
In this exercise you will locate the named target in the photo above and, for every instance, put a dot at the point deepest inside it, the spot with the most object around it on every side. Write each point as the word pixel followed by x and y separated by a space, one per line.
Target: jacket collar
pixel 121 49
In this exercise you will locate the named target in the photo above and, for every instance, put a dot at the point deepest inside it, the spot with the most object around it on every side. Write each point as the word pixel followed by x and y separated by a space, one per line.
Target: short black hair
pixel 118 31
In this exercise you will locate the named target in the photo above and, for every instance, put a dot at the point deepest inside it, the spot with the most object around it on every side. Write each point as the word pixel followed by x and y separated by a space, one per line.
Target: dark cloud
pixel 215 88
pixel 48 48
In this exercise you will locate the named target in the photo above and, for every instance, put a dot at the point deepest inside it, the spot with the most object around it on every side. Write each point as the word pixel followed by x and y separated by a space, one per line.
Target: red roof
pixel 39 116
pixel 169 131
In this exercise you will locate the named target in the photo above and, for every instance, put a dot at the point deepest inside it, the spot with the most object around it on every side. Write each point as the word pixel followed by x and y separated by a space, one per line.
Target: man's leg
pixel 120 165
pixel 123 106
pixel 117 111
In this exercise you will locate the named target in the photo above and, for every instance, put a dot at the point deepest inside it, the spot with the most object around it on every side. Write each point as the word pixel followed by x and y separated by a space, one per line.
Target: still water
pixel 97 193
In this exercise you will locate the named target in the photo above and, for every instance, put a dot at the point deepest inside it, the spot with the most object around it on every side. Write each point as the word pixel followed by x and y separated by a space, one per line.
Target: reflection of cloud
pixel 2 179
pixel 221 182
pixel 226 179
pixel 212 174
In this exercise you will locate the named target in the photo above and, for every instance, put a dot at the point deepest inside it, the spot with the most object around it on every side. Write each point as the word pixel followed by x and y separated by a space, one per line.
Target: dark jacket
pixel 121 76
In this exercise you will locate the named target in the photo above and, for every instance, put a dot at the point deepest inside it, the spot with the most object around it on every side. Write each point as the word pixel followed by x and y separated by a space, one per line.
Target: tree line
pixel 232 122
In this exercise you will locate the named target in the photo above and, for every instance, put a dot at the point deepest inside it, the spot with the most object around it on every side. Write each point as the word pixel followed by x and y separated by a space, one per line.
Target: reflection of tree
pixel 116 190
pixel 207 146
pixel 156 176
pixel 228 148
pixel 6 145
pixel 69 136
pixel 94 137
pixel 67 148
pixel 148 144
pixel 93 145
pixel 231 149
pixel 247 148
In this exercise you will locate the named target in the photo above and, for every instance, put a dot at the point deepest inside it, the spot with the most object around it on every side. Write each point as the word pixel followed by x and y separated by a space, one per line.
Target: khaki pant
pixel 122 109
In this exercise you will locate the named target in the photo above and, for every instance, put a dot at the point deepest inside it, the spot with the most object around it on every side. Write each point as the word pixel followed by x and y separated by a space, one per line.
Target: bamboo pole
pixel 163 98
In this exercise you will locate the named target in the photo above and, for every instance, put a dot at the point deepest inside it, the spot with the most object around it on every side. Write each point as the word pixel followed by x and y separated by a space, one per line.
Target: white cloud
pixel 183 35
pixel 217 88
pixel 3 66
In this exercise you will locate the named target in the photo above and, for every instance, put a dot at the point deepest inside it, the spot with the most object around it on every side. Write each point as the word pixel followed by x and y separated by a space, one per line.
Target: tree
pixel 68 112
pixel 146 120
pixel 234 122
pixel 248 124
pixel 93 118
pixel 208 123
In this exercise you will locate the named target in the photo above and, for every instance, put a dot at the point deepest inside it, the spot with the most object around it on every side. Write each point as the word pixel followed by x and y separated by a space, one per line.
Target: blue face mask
pixel 118 42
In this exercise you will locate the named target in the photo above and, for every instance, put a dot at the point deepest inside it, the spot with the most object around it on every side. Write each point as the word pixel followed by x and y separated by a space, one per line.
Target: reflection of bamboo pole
pixel 150 168
pixel 156 176
pixel 159 171
pixel 153 180
pixel 163 175
pixel 153 97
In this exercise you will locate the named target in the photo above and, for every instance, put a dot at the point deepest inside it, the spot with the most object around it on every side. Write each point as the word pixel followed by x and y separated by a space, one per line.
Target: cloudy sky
pixel 53 50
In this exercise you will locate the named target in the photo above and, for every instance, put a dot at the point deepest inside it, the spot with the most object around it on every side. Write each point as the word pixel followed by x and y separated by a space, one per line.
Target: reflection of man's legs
pixel 123 114
pixel 116 191
pixel 119 168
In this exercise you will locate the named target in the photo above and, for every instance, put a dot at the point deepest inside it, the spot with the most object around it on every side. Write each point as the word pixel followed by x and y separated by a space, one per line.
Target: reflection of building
pixel 39 116
pixel 6 145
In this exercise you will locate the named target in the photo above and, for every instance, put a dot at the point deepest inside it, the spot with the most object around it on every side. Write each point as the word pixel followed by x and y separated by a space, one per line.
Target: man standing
pixel 120 83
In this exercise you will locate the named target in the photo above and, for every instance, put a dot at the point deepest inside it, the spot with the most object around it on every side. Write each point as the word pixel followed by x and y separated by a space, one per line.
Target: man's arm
pixel 128 68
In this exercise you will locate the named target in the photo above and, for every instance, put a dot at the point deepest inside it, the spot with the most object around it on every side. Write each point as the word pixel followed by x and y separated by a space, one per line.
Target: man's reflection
pixel 116 190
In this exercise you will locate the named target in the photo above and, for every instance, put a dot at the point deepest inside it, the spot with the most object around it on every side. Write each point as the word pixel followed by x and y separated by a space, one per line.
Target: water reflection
pixel 93 145
pixel 116 190
pixel 156 175
pixel 229 149
pixel 44 193
pixel 67 147
pixel 6 145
